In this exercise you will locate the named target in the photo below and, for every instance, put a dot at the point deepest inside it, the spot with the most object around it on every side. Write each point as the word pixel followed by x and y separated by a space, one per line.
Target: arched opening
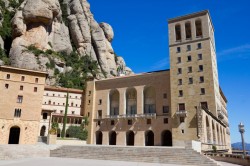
pixel 98 138
pixel 166 138
pixel 42 131
pixel 14 135
pixel 58 132
pixel 149 138
pixel 130 138
pixel 214 133
pixel 112 138
pixel 178 32
pixel 149 100
pixel 198 26
pixel 114 98
pixel 131 103
pixel 208 131
pixel 188 30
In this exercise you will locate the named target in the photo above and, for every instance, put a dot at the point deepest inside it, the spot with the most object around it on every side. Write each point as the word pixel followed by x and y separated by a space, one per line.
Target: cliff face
pixel 61 26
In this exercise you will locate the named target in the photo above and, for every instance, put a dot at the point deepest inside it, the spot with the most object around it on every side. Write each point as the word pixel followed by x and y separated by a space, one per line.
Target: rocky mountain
pixel 44 33
pixel 238 146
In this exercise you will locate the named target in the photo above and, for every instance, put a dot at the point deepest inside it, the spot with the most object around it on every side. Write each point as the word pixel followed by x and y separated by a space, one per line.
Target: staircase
pixel 10 152
pixel 165 155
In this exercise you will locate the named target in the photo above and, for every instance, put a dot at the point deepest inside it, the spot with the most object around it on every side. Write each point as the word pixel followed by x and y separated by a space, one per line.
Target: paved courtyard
pixel 76 162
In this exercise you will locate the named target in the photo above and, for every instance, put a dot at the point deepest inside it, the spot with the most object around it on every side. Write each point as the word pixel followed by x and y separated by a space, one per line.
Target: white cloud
pixel 239 51
pixel 163 63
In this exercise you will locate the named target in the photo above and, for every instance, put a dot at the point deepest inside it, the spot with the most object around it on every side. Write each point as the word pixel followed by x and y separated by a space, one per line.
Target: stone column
pixel 140 99
pixel 122 102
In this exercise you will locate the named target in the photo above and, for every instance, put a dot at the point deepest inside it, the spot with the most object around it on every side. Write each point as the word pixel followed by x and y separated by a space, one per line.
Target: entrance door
pixel 130 138
pixel 98 138
pixel 149 138
pixel 112 138
pixel 14 135
pixel 166 138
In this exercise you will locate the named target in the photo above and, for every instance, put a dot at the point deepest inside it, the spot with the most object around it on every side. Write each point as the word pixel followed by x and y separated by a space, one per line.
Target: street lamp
pixel 242 130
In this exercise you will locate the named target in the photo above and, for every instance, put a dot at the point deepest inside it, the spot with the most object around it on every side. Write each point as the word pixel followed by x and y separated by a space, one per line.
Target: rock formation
pixel 61 26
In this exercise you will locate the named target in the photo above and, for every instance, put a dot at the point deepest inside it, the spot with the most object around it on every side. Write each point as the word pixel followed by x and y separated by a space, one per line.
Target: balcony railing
pixel 131 116
pixel 181 113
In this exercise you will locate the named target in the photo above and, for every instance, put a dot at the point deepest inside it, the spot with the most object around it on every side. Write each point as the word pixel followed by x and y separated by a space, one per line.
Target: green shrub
pixel 214 148
pixel 4 57
pixel 77 132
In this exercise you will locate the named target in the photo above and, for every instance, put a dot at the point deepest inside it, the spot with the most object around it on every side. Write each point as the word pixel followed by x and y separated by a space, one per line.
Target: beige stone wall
pixel 30 106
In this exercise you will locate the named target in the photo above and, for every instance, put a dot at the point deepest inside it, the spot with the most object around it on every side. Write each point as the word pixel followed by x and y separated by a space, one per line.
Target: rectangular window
pixel 182 119
pixel 190 70
pixel 165 120
pixel 199 56
pixel 7 86
pixel 165 95
pixel 190 80
pixel 89 101
pixel 130 122
pixel 21 87
pixel 99 123
pixel 179 70
pixel 179 60
pixel 99 114
pixel 35 89
pixel 17 113
pixel 189 58
pixel 199 46
pixel 203 91
pixel 89 93
pixel 178 49
pixel 45 115
pixel 8 76
pixel 204 105
pixel 61 111
pixel 200 67
pixel 165 109
pixel 22 78
pixel 180 93
pixel 100 101
pixel 19 99
pixel 36 80
pixel 148 121
pixel 73 112
pixel 182 107
pixel 201 79
pixel 188 47
pixel 180 82
pixel 112 122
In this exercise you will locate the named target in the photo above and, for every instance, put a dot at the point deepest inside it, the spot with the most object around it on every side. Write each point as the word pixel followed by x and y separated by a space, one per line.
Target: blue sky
pixel 141 38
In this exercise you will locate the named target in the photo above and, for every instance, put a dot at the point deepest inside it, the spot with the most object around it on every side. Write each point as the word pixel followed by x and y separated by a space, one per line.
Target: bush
pixel 77 132
pixel 214 148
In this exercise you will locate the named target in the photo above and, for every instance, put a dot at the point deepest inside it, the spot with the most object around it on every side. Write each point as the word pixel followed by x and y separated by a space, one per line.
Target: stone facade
pixel 165 107
pixel 53 108
pixel 20 104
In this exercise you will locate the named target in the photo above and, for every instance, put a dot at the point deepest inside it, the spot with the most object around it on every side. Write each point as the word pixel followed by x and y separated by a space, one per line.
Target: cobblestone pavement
pixel 76 162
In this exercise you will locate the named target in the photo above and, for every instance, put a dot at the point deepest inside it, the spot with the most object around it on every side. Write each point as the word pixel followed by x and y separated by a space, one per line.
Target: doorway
pixel 14 135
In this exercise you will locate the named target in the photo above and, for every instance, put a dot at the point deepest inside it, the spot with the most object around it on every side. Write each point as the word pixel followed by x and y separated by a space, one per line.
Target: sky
pixel 141 38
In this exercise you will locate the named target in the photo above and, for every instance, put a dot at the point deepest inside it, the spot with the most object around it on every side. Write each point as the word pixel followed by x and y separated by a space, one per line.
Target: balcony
pixel 181 113
pixel 220 114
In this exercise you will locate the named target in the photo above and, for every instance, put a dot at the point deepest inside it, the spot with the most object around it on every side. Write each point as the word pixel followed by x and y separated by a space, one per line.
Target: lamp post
pixel 242 130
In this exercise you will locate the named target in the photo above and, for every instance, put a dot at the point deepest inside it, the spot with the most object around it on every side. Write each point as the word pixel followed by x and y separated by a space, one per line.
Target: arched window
pixel 42 131
pixel 178 32
pixel 131 103
pixel 149 100
pixel 114 102
pixel 198 26
pixel 188 30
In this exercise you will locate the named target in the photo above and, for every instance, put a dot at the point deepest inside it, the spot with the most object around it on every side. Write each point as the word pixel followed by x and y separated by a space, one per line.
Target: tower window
pixel 19 99
pixel 22 78
pixel 17 113
pixel 188 30
pixel 179 60
pixel 182 107
pixel 200 67
pixel 178 32
pixel 201 79
pixel 8 76
pixel 180 82
pixel 21 87
pixel 188 47
pixel 148 121
pixel 129 122
pixel 199 56
pixel 112 122
pixel 204 105
pixel 198 26
pixel 178 49
pixel 165 120
pixel 45 115
pixel 165 95
pixel 203 91
pixel 199 46
pixel 190 70
pixel 190 80
pixel 35 89
pixel 179 70
pixel 180 93
pixel 165 109
pixel 189 58
pixel 100 101
pixel 6 86
pixel 36 80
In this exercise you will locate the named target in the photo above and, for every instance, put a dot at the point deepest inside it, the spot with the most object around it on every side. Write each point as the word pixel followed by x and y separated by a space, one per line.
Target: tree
pixel 65 115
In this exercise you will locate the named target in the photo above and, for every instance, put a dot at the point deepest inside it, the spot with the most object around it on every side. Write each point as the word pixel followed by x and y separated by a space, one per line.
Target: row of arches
pixel 166 138
pixel 188 30
pixel 215 134
pixel 149 99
